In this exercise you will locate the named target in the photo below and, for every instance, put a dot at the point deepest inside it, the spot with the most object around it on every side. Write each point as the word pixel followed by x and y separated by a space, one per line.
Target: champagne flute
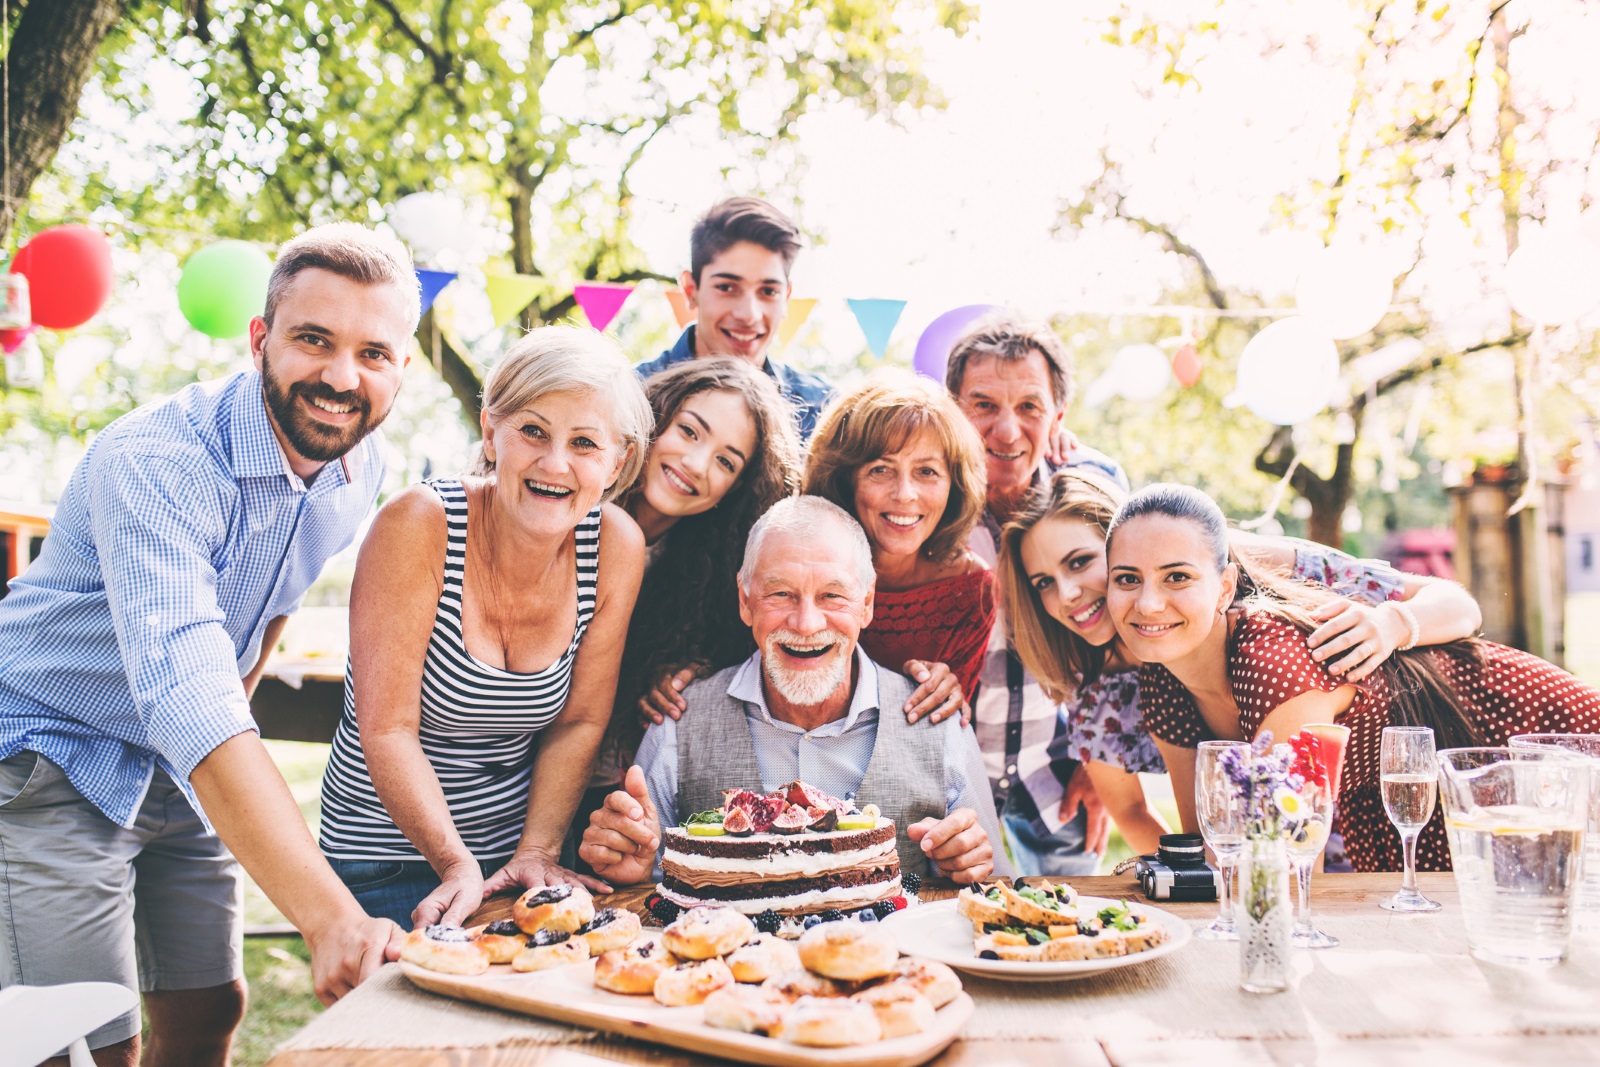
pixel 1310 836
pixel 1220 809
pixel 1409 773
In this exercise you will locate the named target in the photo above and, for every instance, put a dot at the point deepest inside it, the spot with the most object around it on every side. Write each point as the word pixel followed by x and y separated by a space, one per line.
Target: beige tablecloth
pixel 1394 977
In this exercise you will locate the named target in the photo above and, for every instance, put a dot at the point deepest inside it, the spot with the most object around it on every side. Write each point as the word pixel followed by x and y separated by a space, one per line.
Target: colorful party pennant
pixel 793 319
pixel 680 307
pixel 509 294
pixel 601 302
pixel 877 319
pixel 431 282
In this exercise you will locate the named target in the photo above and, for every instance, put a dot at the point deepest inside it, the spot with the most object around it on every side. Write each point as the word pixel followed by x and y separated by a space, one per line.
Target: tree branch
pixel 1173 243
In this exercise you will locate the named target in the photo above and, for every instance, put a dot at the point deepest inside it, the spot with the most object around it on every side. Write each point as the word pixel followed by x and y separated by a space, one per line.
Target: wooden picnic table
pixel 1394 993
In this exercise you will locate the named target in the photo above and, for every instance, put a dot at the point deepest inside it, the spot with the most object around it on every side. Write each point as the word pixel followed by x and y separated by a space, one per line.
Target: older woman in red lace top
pixel 896 453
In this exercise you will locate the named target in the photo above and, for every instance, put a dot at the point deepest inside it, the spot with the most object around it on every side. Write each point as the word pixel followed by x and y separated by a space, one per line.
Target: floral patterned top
pixel 1103 718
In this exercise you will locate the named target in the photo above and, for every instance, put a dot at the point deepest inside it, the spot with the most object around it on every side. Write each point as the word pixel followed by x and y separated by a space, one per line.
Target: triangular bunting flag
pixel 877 319
pixel 793 319
pixel 680 307
pixel 509 294
pixel 431 282
pixel 601 302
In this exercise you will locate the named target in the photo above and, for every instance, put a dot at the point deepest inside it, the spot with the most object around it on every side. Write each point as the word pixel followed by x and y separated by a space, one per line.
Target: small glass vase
pixel 1264 914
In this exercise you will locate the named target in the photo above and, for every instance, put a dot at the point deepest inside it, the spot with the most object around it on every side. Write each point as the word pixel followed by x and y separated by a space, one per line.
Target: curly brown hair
pixel 877 418
pixel 688 606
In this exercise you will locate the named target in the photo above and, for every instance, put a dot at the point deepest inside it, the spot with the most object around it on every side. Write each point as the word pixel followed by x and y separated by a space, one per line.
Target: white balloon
pixel 429 222
pixel 1142 372
pixel 1345 289
pixel 1288 371
pixel 1553 278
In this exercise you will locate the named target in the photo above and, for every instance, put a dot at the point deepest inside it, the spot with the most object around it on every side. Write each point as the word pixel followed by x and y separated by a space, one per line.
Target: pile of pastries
pixel 843 983
pixel 551 926
pixel 1045 923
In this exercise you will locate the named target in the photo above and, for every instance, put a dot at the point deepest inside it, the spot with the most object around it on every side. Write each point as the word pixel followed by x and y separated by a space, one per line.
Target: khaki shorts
pixel 158 906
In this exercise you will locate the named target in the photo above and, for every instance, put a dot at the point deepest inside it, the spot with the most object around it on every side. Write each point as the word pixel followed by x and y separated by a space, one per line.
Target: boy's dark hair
pixel 744 218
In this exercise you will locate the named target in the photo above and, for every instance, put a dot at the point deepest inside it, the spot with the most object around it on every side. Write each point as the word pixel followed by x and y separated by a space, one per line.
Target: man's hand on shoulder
pixel 623 834
pixel 956 845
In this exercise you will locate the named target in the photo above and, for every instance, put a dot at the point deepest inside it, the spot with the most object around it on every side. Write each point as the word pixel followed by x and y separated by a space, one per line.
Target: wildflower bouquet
pixel 1270 781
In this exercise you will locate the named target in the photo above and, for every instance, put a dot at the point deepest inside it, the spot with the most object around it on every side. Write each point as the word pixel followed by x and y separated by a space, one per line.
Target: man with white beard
pixel 806 706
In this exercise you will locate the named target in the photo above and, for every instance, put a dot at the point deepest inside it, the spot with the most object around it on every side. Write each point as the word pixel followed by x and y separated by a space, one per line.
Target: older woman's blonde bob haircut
pixel 879 417
pixel 573 359
pixel 1059 658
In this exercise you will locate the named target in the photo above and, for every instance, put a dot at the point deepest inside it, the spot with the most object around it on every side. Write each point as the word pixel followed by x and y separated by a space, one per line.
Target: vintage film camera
pixel 1178 871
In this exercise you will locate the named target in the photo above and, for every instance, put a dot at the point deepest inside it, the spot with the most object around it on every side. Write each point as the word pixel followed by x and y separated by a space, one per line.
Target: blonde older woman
pixel 487 622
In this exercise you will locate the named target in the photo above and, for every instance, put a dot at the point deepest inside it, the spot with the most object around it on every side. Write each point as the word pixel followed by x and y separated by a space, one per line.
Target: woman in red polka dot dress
pixel 1210 672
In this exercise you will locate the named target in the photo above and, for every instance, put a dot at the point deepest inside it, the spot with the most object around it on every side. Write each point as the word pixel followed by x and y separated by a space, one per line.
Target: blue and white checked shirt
pixel 833 757
pixel 806 393
pixel 182 533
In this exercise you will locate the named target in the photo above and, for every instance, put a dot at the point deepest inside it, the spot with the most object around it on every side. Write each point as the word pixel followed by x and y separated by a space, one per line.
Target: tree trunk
pixel 51 55
pixel 454 367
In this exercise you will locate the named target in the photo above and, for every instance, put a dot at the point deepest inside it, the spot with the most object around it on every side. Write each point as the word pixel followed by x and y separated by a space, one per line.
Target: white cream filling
pixel 814 898
pixel 781 864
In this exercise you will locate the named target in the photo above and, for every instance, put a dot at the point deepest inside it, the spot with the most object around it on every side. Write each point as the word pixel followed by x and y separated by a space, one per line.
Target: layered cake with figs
pixel 792 853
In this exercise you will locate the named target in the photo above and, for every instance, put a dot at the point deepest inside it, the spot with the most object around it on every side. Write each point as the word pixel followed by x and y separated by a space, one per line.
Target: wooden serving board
pixel 567 995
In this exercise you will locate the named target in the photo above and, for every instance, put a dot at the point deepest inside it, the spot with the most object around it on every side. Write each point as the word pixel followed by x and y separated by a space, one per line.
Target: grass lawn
pixel 279 969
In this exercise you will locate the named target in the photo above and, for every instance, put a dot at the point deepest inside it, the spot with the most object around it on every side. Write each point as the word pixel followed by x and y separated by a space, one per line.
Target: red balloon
pixel 1186 365
pixel 69 275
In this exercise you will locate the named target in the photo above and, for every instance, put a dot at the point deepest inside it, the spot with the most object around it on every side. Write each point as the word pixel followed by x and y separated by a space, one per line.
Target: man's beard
pixel 805 689
pixel 312 439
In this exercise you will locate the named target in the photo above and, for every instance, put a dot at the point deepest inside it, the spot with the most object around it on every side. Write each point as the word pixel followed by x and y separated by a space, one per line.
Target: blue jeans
pixel 392 889
pixel 1034 850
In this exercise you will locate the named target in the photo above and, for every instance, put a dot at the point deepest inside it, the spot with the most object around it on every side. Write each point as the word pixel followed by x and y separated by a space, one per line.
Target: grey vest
pixel 905 776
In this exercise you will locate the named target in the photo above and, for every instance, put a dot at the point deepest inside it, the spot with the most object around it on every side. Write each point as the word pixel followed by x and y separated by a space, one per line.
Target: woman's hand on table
pixel 347 951
pixel 461 891
pixel 938 693
pixel 533 868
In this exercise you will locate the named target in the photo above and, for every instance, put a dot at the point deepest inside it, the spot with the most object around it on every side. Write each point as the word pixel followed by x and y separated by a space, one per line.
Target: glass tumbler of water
pixel 1587 746
pixel 1221 811
pixel 1408 774
pixel 1516 820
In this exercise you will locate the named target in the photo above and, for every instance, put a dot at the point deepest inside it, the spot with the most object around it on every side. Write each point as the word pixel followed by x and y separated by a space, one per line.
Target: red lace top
pixel 1509 692
pixel 947 621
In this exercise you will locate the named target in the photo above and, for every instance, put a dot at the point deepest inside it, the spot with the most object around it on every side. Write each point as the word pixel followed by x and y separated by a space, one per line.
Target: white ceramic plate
pixel 938 932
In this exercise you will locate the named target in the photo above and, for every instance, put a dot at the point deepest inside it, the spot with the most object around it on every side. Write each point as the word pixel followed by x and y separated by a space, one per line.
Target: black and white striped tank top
pixel 479 724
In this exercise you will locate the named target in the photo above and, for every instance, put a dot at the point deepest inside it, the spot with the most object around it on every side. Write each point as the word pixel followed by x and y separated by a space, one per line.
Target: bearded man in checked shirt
pixel 131 772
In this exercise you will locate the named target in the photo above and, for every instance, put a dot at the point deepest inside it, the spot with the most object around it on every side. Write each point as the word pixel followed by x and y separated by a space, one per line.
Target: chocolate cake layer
pixel 759 846
pixel 855 876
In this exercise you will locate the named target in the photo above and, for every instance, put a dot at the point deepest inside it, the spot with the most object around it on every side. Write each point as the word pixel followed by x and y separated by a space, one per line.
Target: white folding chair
pixel 39 1021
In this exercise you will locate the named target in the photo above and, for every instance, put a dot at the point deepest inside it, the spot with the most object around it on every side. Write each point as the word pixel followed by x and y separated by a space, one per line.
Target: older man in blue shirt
pixel 131 773
pixel 808 705
pixel 740 255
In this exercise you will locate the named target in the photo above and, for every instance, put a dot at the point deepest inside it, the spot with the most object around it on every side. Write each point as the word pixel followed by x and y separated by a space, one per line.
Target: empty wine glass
pixel 1221 812
pixel 1309 837
pixel 1409 774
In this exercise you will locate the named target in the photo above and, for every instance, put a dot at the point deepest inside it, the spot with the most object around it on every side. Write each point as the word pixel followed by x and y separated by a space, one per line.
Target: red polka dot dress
pixel 1506 692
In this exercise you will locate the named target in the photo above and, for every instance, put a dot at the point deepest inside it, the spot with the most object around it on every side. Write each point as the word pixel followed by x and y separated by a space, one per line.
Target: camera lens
pixel 1182 850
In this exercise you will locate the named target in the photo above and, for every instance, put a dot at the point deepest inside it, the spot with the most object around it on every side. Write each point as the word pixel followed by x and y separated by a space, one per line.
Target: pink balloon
pixel 933 347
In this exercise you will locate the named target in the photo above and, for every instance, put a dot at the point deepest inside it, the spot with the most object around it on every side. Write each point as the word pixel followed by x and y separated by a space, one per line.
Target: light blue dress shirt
pixel 181 534
pixel 833 757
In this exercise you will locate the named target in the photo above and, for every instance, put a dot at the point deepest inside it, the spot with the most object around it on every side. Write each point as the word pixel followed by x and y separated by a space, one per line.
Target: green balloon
pixel 223 287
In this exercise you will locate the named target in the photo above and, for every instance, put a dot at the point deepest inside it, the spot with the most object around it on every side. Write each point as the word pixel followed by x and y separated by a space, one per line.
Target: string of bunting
pixel 1288 372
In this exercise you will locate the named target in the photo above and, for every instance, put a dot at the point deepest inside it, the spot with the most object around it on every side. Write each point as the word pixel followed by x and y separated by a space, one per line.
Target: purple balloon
pixel 933 347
